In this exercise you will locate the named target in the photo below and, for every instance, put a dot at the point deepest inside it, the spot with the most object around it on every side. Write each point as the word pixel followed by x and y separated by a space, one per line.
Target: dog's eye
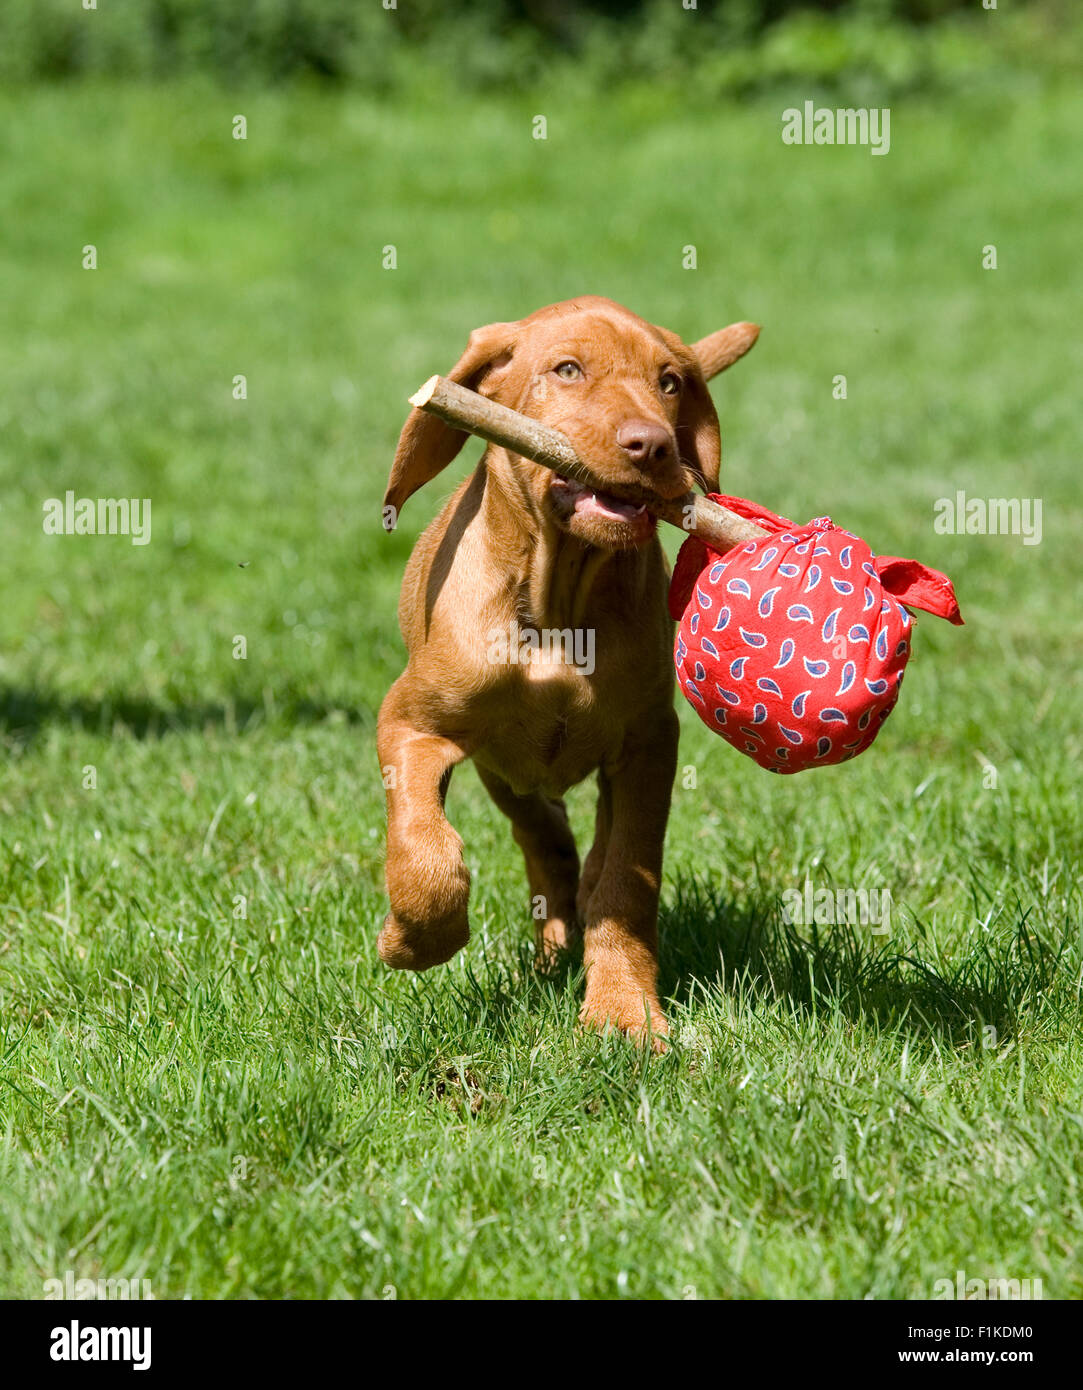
pixel 670 384
pixel 568 371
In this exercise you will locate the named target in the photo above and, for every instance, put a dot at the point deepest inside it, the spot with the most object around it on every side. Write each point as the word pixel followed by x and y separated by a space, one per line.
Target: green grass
pixel 251 1105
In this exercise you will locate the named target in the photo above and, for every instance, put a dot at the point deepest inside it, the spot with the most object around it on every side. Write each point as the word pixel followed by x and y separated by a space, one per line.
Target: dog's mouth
pixel 613 518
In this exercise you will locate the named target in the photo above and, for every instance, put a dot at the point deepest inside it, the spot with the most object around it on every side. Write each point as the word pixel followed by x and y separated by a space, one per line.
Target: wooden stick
pixel 466 410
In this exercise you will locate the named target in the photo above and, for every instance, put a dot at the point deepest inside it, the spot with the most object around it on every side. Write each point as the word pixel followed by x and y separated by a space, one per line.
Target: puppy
pixel 534 615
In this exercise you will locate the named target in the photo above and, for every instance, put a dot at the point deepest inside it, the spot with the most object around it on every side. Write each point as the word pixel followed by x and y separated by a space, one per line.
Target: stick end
pixel 424 394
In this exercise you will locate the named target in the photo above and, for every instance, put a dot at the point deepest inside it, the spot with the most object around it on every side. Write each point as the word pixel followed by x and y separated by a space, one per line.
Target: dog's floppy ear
pixel 698 438
pixel 427 444
pixel 720 350
pixel 698 441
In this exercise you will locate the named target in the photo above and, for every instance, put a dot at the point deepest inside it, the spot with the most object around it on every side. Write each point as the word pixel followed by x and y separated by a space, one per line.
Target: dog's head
pixel 631 398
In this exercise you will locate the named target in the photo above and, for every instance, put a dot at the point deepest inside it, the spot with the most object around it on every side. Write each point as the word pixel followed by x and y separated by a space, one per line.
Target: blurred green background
pixel 702 46
pixel 206 1078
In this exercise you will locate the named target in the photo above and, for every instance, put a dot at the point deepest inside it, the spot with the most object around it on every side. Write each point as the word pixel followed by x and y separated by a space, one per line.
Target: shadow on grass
pixel 709 939
pixel 25 713
pixel 1006 976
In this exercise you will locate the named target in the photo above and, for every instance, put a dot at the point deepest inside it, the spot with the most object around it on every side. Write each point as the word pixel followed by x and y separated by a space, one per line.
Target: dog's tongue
pixel 611 508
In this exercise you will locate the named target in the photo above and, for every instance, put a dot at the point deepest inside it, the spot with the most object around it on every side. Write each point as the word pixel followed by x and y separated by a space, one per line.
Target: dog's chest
pixel 558 722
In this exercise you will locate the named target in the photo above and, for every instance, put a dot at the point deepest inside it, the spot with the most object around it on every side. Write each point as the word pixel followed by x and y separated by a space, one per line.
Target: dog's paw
pixel 555 940
pixel 637 1017
pixel 419 946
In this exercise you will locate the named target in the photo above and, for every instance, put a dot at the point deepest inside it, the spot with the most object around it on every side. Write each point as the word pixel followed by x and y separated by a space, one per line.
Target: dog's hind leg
pixel 427 881
pixel 595 860
pixel 539 826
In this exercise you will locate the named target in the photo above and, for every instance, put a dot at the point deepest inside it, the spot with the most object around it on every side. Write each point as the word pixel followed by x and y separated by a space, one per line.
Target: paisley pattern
pixel 762 604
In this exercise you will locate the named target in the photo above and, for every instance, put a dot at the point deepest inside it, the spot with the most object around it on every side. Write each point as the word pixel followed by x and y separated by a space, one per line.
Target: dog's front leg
pixel 541 830
pixel 427 881
pixel 620 946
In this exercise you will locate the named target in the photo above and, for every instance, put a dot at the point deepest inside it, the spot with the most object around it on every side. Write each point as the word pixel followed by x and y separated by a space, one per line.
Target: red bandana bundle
pixel 792 647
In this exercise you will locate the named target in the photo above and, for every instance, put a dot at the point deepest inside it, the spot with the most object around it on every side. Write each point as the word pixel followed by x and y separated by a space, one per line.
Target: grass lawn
pixel 207 1078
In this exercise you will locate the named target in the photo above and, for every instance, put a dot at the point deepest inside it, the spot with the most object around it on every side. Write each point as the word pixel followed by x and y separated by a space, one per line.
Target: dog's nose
pixel 643 441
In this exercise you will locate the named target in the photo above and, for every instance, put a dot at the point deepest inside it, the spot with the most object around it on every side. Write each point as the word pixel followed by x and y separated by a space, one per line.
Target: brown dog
pixel 522 561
